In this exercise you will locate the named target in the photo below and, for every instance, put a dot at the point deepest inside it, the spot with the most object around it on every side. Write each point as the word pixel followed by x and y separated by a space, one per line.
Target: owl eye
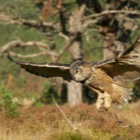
pixel 78 70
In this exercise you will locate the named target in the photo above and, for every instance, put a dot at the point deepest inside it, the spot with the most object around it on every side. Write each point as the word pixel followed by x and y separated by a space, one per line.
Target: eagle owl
pixel 106 78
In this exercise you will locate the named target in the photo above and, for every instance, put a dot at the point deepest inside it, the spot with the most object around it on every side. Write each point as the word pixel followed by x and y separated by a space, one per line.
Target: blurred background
pixel 61 31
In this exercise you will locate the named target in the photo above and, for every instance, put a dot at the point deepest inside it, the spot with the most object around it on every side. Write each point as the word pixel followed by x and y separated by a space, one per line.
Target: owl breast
pixel 99 80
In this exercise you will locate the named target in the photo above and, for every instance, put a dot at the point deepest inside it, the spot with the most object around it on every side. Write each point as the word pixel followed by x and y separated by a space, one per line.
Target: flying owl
pixel 106 78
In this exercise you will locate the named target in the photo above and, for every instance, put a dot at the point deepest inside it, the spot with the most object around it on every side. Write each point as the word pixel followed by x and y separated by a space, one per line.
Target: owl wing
pixel 125 67
pixel 132 55
pixel 45 69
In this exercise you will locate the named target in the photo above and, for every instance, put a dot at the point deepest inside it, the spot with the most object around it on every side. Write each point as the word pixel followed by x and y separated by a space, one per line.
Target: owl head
pixel 80 70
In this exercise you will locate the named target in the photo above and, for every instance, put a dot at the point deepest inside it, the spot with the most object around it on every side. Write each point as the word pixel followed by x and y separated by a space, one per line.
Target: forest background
pixel 61 31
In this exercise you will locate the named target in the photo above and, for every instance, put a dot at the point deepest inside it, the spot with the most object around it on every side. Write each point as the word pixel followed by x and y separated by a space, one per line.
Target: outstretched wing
pixel 46 70
pixel 132 55
pixel 126 66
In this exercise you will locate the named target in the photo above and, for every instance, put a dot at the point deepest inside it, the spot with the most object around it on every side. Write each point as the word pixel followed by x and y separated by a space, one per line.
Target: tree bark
pixel 74 93
pixel 76 27
pixel 108 44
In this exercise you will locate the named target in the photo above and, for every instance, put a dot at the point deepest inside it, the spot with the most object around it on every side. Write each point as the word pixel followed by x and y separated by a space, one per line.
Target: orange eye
pixel 78 70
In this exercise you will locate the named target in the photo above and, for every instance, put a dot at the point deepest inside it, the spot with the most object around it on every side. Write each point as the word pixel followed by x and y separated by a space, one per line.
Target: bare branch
pixel 9 46
pixel 27 56
pixel 19 43
pixel 36 24
pixel 44 49
pixel 89 22
pixel 62 51
pixel 112 12
pixel 40 25
pixel 64 36
pixel 31 23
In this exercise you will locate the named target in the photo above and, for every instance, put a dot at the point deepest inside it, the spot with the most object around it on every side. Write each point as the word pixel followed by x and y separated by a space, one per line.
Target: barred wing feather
pixel 46 70
pixel 125 67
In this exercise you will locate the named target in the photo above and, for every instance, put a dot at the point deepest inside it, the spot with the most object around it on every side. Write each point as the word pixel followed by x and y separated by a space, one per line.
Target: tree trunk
pixel 74 88
pixel 112 47
pixel 108 44
pixel 74 93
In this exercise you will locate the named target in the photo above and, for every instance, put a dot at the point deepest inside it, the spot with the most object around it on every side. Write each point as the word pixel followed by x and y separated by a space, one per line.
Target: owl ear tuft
pixel 78 59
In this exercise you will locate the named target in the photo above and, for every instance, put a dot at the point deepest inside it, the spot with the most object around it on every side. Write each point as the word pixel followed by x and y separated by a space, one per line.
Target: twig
pixel 65 48
pixel 28 55
pixel 90 22
pixel 129 125
pixel 61 34
pixel 112 12
pixel 64 115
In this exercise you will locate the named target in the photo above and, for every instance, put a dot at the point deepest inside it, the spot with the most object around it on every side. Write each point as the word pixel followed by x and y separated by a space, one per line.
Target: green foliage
pixel 136 89
pixel 20 8
pixel 92 46
pixel 6 68
pixel 7 103
pixel 47 93
pixel 93 134
pixel 13 32
pixel 72 136
pixel 70 4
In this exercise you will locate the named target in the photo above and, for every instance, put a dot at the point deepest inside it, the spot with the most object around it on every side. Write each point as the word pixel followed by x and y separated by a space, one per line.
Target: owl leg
pixel 107 100
pixel 100 99
pixel 100 102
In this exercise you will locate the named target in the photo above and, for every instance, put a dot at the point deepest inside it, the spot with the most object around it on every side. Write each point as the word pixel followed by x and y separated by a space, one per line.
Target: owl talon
pixel 100 109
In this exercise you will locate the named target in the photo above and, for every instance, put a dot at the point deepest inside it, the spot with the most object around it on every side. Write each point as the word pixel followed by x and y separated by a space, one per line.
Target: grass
pixel 47 123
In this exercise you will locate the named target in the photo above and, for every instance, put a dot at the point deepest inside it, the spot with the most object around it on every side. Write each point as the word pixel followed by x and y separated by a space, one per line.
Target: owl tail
pixel 126 96
pixel 122 94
